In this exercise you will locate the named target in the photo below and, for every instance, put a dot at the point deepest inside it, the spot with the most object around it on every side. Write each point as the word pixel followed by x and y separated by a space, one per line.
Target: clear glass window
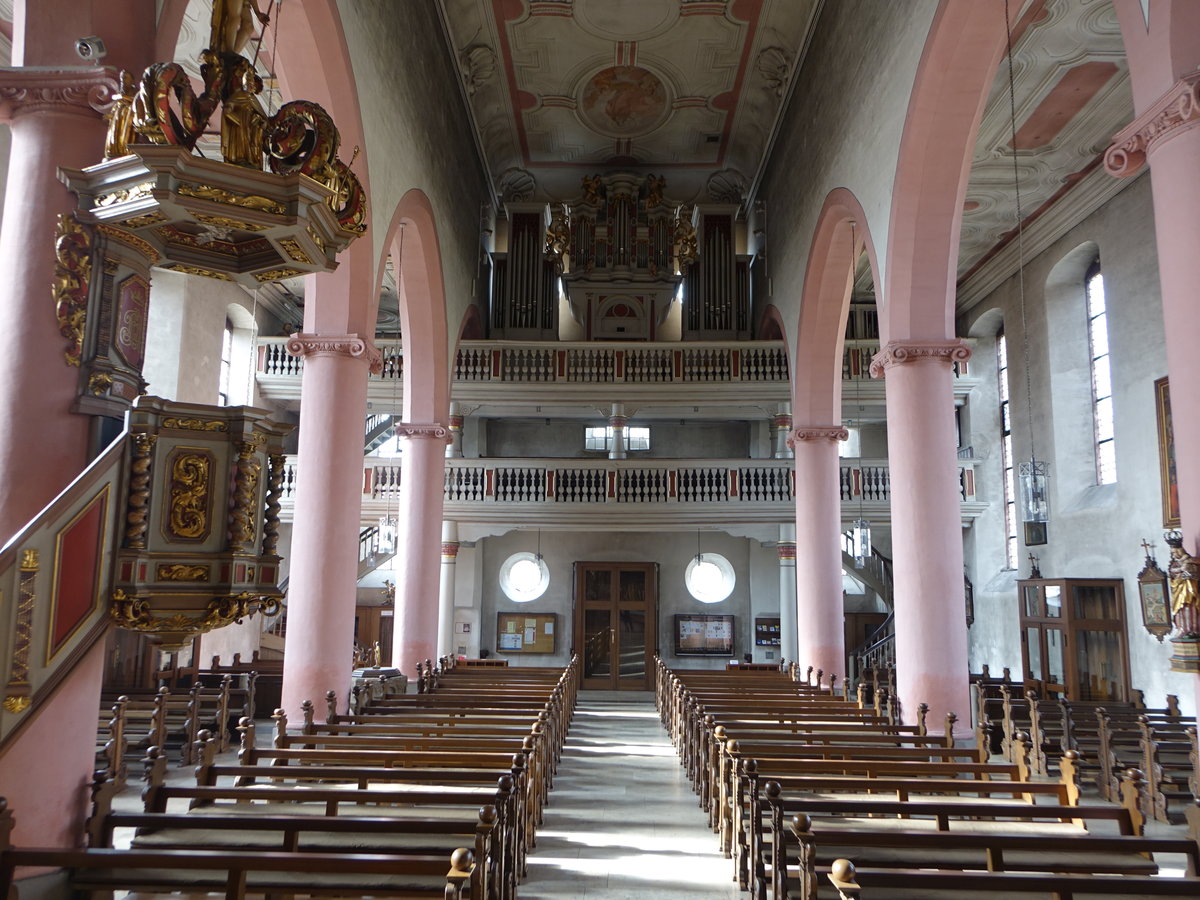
pixel 601 438
pixel 524 576
pixel 1102 401
pixel 709 577
pixel 1006 453
pixel 226 364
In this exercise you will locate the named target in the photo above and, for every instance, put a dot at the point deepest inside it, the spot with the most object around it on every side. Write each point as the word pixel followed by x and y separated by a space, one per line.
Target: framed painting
pixel 1166 454
pixel 1155 599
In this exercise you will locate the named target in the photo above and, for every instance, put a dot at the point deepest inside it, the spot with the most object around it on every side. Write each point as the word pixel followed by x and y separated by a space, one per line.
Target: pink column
pixel 820 616
pixel 1167 135
pixel 931 627
pixel 422 479
pixel 324 555
pixel 54 122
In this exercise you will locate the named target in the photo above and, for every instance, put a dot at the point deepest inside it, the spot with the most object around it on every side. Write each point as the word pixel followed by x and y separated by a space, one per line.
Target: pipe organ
pixel 623 254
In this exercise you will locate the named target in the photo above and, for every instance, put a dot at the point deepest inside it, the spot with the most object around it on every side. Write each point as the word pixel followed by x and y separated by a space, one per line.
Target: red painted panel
pixel 77 561
pixel 1064 102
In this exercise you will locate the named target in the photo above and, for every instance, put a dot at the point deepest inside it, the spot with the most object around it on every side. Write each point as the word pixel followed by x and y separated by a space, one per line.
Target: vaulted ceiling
pixel 689 89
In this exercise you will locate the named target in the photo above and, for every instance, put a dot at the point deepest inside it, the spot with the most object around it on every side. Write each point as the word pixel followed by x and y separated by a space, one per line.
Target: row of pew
pixel 437 794
pixel 816 796
pixel 1108 738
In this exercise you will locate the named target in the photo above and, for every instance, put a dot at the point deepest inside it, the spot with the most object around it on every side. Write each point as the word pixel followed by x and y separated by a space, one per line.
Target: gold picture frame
pixel 1155 599
pixel 1166 454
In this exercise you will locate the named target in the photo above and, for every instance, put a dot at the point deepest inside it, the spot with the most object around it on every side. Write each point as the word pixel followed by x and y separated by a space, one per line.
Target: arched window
pixel 1006 453
pixel 1102 401
pixel 226 364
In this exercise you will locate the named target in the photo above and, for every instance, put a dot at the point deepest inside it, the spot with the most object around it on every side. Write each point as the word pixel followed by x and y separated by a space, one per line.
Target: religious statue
pixel 243 121
pixel 232 25
pixel 120 118
pixel 686 249
pixel 1183 574
pixel 558 235
pixel 655 186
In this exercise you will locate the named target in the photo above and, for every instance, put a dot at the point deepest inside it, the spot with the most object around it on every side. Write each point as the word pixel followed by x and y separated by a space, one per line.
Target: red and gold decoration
pixel 201 523
pixel 17 691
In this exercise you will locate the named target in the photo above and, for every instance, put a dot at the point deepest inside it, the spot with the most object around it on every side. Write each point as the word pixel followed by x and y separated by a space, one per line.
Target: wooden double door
pixel 616 619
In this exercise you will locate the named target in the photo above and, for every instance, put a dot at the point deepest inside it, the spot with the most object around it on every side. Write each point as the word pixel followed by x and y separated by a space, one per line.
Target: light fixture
pixel 1033 475
pixel 860 537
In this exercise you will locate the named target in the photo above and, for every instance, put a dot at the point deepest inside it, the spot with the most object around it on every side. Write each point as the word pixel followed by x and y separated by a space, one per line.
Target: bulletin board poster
pixel 697 635
pixel 525 632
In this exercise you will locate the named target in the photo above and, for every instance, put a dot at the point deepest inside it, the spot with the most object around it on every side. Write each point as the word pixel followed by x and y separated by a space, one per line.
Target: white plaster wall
pixel 1094 531
pixel 756 589
pixel 417 133
pixel 5 134
pixel 842 129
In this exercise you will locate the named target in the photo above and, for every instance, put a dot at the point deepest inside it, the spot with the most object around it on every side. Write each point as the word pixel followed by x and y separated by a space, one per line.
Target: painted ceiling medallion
pixel 638 20
pixel 624 102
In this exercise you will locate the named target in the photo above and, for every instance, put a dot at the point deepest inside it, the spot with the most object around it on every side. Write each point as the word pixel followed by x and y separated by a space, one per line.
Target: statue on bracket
pixel 1183 573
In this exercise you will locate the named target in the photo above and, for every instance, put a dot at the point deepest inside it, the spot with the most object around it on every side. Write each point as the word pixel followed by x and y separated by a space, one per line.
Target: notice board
pixel 525 632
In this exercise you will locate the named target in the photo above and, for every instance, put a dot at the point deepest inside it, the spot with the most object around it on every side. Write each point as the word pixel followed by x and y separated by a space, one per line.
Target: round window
pixel 524 577
pixel 709 577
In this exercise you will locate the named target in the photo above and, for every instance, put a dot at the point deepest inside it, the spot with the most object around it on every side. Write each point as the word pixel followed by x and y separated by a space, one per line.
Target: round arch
pixel 840 236
pixel 771 326
pixel 471 327
pixel 412 240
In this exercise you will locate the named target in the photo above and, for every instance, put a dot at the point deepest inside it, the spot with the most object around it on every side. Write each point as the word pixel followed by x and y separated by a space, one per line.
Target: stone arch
pixel 471 327
pixel 824 303
pixel 966 42
pixel 771 325
pixel 412 240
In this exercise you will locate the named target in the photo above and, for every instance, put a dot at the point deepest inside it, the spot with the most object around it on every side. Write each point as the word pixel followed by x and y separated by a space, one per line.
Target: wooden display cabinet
pixel 1073 640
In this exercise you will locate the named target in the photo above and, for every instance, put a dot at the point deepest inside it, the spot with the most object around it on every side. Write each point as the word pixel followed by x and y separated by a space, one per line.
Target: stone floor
pixel 623 821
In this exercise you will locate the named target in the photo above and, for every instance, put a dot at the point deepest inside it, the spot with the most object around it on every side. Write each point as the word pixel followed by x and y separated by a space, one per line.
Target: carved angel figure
pixel 593 190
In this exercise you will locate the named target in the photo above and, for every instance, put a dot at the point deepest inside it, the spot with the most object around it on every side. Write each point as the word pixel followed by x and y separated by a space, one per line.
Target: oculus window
pixel 524 576
pixel 709 577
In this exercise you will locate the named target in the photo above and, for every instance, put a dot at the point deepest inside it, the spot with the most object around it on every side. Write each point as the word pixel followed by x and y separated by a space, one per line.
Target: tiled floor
pixel 623 821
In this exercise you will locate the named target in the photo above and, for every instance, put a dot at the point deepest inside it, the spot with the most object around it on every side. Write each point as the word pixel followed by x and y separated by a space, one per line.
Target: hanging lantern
pixel 860 537
pixel 1034 477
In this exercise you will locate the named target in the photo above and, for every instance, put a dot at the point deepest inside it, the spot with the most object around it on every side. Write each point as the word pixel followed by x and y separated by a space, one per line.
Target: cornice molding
pixel 807 433
pixel 896 353
pixel 1177 111
pixel 352 346
pixel 29 89
pixel 431 430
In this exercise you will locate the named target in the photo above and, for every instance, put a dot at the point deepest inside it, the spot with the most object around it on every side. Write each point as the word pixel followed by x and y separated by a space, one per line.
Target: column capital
pixel 786 551
pixel 807 433
pixel 85 89
pixel 449 551
pixel 895 353
pixel 781 420
pixel 431 430
pixel 1176 111
pixel 352 346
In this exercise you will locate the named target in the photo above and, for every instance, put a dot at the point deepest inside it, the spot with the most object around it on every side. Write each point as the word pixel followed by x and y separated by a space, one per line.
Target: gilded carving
pixel 276 464
pixel 136 614
pixel 137 505
pixel 150 218
pixel 243 120
pixel 194 424
pixel 295 251
pixel 29 560
pixel 120 118
pixel 137 192
pixel 245 487
pixel 226 222
pixel 72 275
pixel 277 274
pixel 317 239
pixel 99 383
pixel 15 704
pixel 188 516
pixel 220 195
pixel 201 271
pixel 141 245
pixel 181 572
pixel 18 679
pixel 558 234
pixel 685 247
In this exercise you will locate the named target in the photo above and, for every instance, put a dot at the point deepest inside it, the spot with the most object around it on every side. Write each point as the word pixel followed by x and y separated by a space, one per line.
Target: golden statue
pixel 243 121
pixel 1184 573
pixel 233 25
pixel 593 190
pixel 120 118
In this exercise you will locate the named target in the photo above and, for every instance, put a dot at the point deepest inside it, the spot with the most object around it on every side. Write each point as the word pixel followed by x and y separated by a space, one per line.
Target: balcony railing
pixel 588 363
pixel 758 485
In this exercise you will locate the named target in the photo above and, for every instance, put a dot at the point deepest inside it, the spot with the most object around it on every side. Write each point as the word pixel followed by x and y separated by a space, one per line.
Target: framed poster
pixel 703 635
pixel 1166 454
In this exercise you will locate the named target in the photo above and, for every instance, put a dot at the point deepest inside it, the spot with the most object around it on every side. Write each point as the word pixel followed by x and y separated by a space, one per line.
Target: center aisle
pixel 623 821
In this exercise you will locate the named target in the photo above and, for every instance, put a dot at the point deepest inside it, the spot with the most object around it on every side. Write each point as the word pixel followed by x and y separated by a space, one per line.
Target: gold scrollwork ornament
pixel 16 704
pixel 189 496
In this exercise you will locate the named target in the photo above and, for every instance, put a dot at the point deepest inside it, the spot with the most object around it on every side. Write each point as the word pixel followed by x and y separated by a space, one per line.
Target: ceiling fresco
pixel 690 89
